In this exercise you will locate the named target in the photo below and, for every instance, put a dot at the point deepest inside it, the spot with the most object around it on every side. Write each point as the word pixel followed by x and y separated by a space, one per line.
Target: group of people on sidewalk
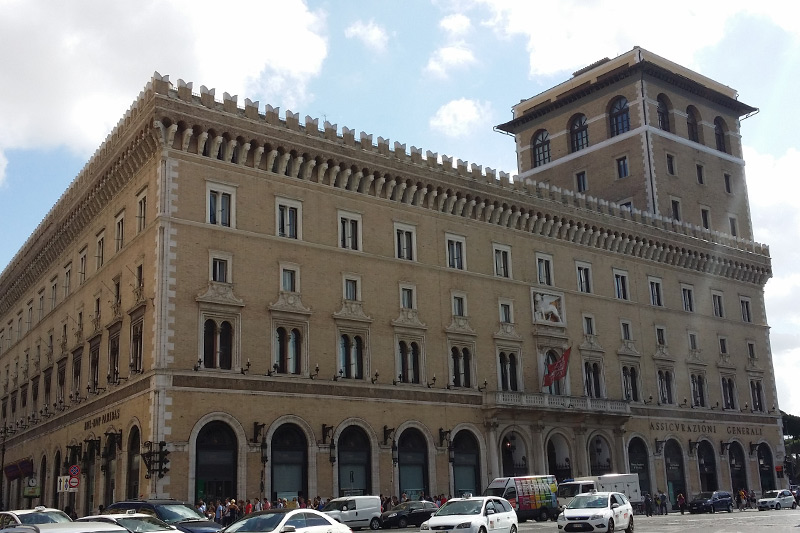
pixel 658 504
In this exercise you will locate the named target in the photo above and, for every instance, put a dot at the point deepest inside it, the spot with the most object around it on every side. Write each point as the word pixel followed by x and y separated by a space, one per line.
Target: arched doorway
pixel 765 468
pixel 412 453
pixel 599 456
pixel 736 460
pixel 515 460
pixel 42 479
pixel 216 459
pixel 109 468
pixel 54 487
pixel 134 462
pixel 558 462
pixel 354 456
pixel 289 463
pixel 707 465
pixel 639 463
pixel 466 466
pixel 673 463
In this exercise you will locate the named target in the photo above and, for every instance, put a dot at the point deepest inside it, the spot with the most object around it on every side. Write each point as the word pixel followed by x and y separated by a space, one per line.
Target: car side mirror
pixel 344 507
pixel 489 511
pixel 614 505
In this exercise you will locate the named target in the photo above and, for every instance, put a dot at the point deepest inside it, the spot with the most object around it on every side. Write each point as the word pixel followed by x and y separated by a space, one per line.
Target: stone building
pixel 227 302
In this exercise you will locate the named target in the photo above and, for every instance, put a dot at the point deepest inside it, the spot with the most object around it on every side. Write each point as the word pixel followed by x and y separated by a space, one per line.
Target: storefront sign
pixel 708 429
pixel 105 418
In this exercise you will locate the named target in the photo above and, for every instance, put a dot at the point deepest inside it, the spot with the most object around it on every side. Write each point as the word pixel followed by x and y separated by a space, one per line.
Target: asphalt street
pixel 748 521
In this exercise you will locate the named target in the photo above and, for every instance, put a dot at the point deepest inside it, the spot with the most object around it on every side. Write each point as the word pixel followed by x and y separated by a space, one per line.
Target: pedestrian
pixel 648 504
pixel 662 502
pixel 681 501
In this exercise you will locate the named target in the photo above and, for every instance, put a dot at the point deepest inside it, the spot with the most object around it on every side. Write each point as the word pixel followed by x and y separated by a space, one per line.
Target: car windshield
pixel 771 494
pixel 704 496
pixel 460 507
pixel 588 502
pixel 496 491
pixel 142 524
pixel 44 517
pixel 568 491
pixel 262 522
pixel 405 506
pixel 334 505
pixel 178 512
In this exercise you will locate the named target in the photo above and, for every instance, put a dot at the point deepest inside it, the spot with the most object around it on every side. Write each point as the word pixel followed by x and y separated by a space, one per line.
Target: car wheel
pixel 482 530
pixel 513 529
pixel 402 523
pixel 730 507
pixel 543 516
pixel 794 505
pixel 629 529
pixel 374 524
pixel 777 507
pixel 610 526
pixel 713 509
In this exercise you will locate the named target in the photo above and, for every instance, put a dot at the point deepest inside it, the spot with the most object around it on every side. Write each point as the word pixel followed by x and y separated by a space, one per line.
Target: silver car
pixel 777 499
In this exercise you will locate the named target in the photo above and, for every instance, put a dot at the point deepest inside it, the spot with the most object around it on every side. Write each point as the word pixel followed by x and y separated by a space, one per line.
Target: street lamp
pixel 264 460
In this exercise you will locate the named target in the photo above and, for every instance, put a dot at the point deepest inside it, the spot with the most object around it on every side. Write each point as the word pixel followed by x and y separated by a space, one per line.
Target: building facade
pixel 230 303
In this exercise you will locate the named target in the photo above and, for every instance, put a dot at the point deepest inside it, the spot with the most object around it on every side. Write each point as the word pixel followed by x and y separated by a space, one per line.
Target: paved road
pixel 751 521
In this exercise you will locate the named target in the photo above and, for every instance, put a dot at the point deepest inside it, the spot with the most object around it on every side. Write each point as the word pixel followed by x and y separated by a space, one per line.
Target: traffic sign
pixel 74 470
pixel 74 482
pixel 63 483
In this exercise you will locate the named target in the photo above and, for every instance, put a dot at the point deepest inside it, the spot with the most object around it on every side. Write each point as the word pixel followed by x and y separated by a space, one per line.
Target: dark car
pixel 711 502
pixel 175 513
pixel 408 514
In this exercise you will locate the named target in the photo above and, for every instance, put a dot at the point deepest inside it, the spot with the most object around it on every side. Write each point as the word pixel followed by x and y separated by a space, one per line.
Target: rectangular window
pixel 728 184
pixel 288 221
pixel 349 231
pixel 100 251
pixel 351 289
pixel 288 280
pixel 745 304
pixel 141 211
pixel 584 271
pixel 219 270
pixel 544 267
pixel 687 293
pixel 655 292
pixel 455 252
pixel 119 232
pixel 458 306
pixel 407 297
pixel 716 301
pixel 621 285
pixel 219 208
pixel 41 304
pixel 700 174
pixel 693 341
pixel 705 218
pixel 670 164
pixel 661 336
pixel 622 167
pixel 751 350
pixel 588 325
pixel 723 345
pixel 82 266
pixel 734 226
pixel 580 182
pixel 67 280
pixel 53 293
pixel 676 209
pixel 502 261
pixel 505 313
pixel 625 327
pixel 405 241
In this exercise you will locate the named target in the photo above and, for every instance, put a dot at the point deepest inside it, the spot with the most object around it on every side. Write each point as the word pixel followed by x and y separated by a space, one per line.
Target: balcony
pixel 538 400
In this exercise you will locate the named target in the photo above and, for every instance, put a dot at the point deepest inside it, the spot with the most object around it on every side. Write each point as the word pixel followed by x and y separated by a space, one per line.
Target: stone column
pixel 618 463
pixel 581 458
pixel 539 452
pixel 493 467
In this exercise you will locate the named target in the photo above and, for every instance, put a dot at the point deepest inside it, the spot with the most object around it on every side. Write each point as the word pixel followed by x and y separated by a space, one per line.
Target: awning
pixel 21 468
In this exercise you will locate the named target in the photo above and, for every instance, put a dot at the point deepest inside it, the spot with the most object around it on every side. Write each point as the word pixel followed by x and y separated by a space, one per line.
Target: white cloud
pixel 87 60
pixel 369 33
pixel 448 58
pixel 458 118
pixel 456 24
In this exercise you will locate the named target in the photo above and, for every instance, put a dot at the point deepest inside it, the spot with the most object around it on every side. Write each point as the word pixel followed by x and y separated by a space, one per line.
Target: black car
pixel 408 514
pixel 175 513
pixel 711 502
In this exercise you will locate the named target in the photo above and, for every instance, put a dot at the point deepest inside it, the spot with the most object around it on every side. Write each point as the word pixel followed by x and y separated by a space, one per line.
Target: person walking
pixel 648 504
pixel 681 501
pixel 662 503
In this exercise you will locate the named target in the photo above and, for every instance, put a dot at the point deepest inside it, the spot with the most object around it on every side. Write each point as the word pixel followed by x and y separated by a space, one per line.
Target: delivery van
pixel 355 511
pixel 530 496
pixel 628 484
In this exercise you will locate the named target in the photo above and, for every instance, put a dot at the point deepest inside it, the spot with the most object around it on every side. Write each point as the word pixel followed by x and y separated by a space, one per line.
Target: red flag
pixel 558 369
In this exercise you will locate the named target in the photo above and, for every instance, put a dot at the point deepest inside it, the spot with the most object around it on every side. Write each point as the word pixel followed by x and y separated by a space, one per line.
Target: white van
pixel 355 511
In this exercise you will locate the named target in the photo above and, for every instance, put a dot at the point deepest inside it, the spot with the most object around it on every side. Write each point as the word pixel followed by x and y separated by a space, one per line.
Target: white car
pixel 473 515
pixel 37 515
pixel 132 521
pixel 777 499
pixel 288 521
pixel 597 511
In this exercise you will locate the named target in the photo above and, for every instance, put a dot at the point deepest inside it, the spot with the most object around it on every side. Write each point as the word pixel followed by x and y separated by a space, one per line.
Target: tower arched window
pixel 663 113
pixel 351 356
pixel 409 362
pixel 719 134
pixel 619 117
pixel 289 349
pixel 217 344
pixel 579 133
pixel 541 148
pixel 692 121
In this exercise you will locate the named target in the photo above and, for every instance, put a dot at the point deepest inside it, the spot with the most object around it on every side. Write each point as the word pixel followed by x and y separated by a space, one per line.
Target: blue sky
pixel 437 75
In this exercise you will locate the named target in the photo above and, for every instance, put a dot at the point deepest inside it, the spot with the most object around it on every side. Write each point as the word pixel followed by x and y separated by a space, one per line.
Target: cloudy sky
pixel 433 74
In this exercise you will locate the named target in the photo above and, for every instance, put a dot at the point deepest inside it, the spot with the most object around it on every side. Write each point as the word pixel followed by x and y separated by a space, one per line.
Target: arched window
pixel 698 390
pixel 409 362
pixel 663 112
pixel 639 463
pixel 692 121
pixel 353 450
pixel 719 134
pixel 579 133
pixel 289 349
pixel 556 387
pixel 217 344
pixel 56 472
pixel 665 386
pixel 592 380
pixel 216 459
pixel 541 148
pixel 289 451
pixel 728 393
pixel 134 449
pixel 412 455
pixel 503 371
pixel 466 464
pixel 619 116
pixel 351 357
pixel 512 372
pixel 466 365
pixel 455 357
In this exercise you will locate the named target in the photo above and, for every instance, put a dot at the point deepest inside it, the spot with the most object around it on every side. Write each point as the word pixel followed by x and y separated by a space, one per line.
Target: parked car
pixel 777 499
pixel 355 511
pixel 711 502
pixel 287 520
pixel 66 527
pixel 412 513
pixel 597 511
pixel 37 515
pixel 174 512
pixel 132 521
pixel 473 515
